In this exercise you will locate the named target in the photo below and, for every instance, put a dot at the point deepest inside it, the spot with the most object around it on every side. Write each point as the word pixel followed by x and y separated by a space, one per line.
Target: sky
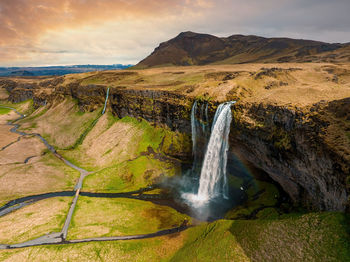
pixel 70 32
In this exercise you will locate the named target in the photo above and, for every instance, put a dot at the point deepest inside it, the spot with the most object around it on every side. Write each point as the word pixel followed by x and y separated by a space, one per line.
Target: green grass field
pixel 4 111
pixel 295 237
pixel 98 217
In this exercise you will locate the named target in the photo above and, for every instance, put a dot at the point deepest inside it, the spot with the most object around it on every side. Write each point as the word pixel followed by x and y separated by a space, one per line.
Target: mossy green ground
pixel 128 176
pixel 4 111
pixel 308 237
pixel 98 217
pixel 24 107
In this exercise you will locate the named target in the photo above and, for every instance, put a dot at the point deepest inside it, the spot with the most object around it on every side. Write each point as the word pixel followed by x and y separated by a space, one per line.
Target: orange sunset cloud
pixel 61 32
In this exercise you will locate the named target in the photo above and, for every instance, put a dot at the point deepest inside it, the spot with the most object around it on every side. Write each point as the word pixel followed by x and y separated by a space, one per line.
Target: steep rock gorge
pixel 304 149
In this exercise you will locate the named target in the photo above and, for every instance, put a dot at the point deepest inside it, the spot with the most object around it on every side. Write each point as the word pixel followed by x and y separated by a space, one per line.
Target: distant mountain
pixel 56 70
pixel 21 73
pixel 189 48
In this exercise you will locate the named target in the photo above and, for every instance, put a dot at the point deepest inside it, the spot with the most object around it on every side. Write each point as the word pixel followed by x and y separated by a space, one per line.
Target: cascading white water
pixel 194 126
pixel 200 134
pixel 213 181
pixel 106 100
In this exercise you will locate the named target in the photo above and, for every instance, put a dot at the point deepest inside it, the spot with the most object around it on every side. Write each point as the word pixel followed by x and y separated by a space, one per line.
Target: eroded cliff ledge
pixel 294 126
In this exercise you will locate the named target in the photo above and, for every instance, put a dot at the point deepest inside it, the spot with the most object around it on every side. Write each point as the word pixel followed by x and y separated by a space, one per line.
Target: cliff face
pixel 301 150
pixel 291 146
pixel 161 107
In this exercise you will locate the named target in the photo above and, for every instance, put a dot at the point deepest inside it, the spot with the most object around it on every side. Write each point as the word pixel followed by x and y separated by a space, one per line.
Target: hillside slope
pixel 190 48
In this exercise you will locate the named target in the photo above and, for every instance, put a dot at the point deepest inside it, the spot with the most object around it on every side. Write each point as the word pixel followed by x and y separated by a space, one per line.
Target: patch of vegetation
pixel 4 111
pixel 175 143
pixel 24 107
pixel 204 98
pixel 348 135
pixel 128 175
pixel 281 139
pixel 151 137
pixel 97 217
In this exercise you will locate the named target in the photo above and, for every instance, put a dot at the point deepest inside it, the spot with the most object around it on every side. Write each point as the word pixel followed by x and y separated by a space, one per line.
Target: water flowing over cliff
pixel 200 135
pixel 213 180
pixel 104 107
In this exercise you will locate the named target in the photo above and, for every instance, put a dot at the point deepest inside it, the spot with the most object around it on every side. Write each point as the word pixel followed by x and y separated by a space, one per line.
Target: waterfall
pixel 194 127
pixel 200 135
pixel 104 108
pixel 213 180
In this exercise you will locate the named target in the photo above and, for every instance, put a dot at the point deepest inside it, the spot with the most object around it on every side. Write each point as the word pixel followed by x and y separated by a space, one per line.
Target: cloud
pixel 45 32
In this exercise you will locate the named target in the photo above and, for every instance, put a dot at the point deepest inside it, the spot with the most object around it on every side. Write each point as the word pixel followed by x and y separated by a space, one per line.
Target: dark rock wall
pixel 290 146
pixel 160 107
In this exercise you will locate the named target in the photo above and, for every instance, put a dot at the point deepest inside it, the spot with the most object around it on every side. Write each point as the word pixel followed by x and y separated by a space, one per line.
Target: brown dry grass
pixel 19 151
pixel 62 125
pixel 34 220
pixel 41 175
pixel 6 137
pixel 104 145
pixel 311 83
pixel 3 94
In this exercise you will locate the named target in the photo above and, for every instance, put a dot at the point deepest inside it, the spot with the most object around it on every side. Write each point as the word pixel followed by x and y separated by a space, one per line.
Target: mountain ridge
pixel 190 48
